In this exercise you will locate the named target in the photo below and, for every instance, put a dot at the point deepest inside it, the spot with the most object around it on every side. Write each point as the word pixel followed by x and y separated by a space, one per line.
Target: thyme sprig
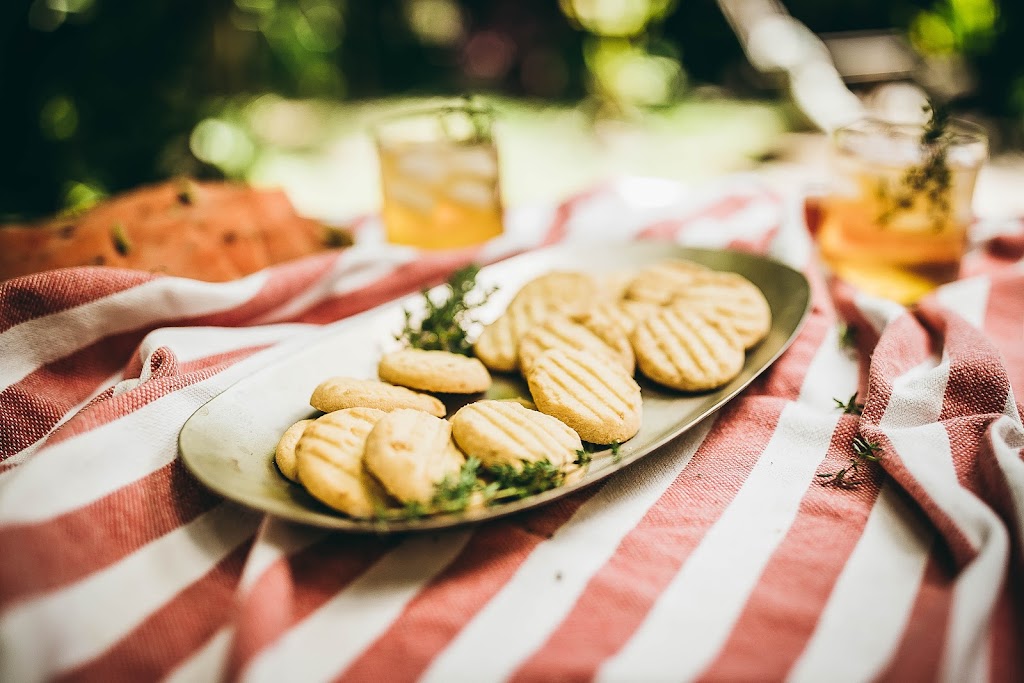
pixel 931 178
pixel 445 325
pixel 479 484
pixel 850 407
pixel 865 452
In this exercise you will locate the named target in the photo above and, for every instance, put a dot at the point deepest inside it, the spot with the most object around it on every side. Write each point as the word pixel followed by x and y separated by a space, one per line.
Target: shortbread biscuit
pixel 556 292
pixel 733 298
pixel 506 433
pixel 661 282
pixel 330 462
pixel 410 453
pixel 563 290
pixel 622 313
pixel 284 455
pixel 600 337
pixel 498 344
pixel 682 349
pixel 438 371
pixel 599 400
pixel 338 393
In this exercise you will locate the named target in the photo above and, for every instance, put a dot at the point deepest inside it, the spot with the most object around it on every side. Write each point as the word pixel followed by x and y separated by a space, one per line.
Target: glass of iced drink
pixel 439 176
pixel 895 224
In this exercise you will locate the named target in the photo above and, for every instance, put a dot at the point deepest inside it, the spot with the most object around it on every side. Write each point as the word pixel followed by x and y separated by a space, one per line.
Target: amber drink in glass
pixel 439 176
pixel 895 225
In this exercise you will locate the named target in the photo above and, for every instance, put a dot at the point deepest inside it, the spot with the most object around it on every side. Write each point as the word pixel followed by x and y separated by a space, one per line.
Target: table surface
pixel 725 555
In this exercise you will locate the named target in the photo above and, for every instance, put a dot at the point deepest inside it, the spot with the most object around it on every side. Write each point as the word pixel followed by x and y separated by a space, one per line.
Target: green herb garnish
pixel 445 325
pixel 514 484
pixel 120 238
pixel 850 407
pixel 582 458
pixel 931 179
pixel 616 455
pixel 847 337
pixel 864 452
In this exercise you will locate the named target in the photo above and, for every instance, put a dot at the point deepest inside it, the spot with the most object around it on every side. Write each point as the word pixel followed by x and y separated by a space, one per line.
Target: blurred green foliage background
pixel 103 95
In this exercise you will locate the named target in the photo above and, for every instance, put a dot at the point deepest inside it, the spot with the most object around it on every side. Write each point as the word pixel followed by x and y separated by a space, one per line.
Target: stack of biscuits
pixel 577 341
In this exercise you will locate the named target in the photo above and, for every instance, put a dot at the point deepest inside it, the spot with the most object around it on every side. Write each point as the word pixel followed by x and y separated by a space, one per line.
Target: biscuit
pixel 506 433
pixel 562 290
pixel 439 371
pixel 556 292
pixel 338 393
pixel 733 298
pixel 623 314
pixel 330 462
pixel 410 453
pixel 682 349
pixel 661 282
pixel 284 455
pixel 599 400
pixel 600 337
pixel 497 347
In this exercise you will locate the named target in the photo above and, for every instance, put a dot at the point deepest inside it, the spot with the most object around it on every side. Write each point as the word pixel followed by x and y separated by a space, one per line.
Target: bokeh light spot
pixel 435 22
pixel 58 119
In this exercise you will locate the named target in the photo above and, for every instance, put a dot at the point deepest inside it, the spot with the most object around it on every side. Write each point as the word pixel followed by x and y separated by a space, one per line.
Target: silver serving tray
pixel 228 444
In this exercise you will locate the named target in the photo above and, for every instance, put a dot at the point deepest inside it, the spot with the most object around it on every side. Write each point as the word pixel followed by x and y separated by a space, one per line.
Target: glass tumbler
pixel 894 222
pixel 439 176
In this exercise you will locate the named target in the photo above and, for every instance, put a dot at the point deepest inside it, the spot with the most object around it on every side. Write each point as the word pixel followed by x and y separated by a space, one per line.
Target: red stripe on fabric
pixel 173 632
pixel 451 600
pixel 30 408
pixel 621 593
pixel 285 282
pixel 405 279
pixel 1004 326
pixel 43 556
pixel 671 228
pixel 918 654
pixel 1007 662
pixel 564 212
pixel 163 382
pixel 783 609
pixel 316 575
pixel 33 296
pixel 756 245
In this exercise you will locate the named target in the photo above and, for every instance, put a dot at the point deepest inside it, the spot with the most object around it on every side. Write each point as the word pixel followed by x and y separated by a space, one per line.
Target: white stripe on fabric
pixel 194 343
pixel 863 621
pixel 74 624
pixel 792 244
pixel 577 550
pixel 276 539
pixel 832 373
pixel 525 228
pixel 926 453
pixel 32 344
pixel 330 638
pixel 701 604
pixel 356 267
pixel 98 462
pixel 878 312
pixel 917 395
pixel 967 298
pixel 208 663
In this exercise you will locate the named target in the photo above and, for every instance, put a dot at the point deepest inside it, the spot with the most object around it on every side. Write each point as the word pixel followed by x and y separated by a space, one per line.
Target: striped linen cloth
pixel 720 557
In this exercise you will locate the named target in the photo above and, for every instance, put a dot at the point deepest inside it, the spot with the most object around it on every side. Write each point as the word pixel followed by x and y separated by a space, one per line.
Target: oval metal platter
pixel 228 444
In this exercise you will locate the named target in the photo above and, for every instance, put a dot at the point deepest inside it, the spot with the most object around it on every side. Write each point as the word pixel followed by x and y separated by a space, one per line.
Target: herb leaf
pixel 514 484
pixel 445 323
pixel 120 239
pixel 850 407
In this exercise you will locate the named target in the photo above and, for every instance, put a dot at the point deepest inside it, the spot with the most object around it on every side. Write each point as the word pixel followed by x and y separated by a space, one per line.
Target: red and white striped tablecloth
pixel 721 557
